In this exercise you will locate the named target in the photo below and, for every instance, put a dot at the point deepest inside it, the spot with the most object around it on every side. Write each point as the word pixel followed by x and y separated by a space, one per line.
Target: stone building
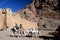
pixel 9 18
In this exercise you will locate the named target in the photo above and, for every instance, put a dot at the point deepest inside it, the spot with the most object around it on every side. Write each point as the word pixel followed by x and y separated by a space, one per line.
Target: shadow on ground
pixel 49 38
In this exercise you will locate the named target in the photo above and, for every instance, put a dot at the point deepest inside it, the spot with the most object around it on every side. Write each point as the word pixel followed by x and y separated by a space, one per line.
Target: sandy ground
pixel 4 35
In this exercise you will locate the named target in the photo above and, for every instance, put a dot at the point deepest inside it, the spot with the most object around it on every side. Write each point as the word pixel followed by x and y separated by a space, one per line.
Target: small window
pixel 3 13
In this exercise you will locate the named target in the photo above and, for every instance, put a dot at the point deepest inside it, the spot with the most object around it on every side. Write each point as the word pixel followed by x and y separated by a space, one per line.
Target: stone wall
pixel 10 19
pixel 1 19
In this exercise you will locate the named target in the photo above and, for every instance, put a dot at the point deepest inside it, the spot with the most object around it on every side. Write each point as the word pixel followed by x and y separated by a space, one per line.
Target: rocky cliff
pixel 42 12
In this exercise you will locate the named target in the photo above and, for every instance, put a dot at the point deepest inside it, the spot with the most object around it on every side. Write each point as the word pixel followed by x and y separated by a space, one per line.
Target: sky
pixel 15 5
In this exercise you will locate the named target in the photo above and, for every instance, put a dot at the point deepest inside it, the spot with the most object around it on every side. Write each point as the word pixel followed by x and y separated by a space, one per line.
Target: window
pixel 3 13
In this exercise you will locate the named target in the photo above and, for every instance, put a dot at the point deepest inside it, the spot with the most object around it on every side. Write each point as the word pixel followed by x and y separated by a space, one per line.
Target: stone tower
pixel 7 13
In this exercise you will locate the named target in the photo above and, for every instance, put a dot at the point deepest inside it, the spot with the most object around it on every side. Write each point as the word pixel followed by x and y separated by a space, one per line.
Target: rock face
pixel 27 14
pixel 42 12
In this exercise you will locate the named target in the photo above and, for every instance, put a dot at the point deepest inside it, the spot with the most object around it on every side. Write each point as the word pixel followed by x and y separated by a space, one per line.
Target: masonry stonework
pixel 9 19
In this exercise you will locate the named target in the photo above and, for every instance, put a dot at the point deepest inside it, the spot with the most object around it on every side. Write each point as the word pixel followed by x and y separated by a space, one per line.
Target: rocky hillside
pixel 41 11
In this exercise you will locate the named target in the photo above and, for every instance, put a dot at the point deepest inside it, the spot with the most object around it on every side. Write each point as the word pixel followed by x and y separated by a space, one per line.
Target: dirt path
pixel 4 35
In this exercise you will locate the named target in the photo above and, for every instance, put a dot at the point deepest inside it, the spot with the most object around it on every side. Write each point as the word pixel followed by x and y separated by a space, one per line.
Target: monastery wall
pixel 14 18
pixel 1 19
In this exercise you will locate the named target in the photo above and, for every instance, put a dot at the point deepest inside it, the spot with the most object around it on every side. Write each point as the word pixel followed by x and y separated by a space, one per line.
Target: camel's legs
pixel 13 34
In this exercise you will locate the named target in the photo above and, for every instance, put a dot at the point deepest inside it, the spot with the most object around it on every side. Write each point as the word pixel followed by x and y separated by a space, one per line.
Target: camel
pixel 18 30
pixel 23 32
